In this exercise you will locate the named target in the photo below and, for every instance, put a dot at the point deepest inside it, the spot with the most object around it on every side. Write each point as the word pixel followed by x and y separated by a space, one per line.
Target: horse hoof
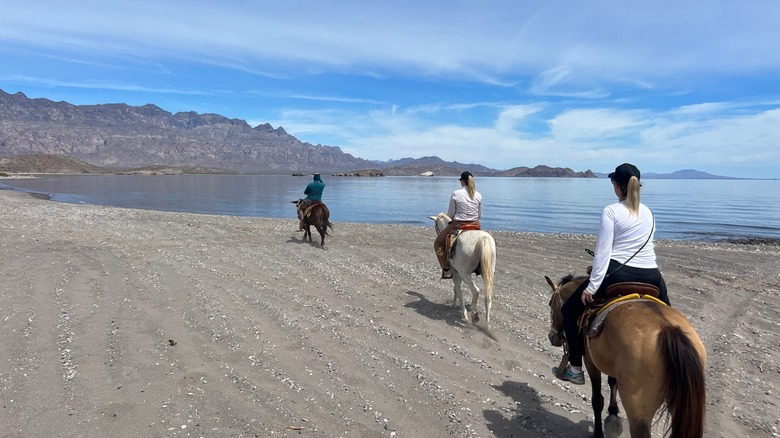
pixel 475 317
pixel 613 426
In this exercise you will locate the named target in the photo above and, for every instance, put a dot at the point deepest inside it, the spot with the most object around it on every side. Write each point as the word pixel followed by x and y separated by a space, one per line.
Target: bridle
pixel 556 296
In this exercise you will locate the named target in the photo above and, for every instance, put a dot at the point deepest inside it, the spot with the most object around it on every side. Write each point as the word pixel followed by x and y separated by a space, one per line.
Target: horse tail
pixel 685 393
pixel 325 223
pixel 486 265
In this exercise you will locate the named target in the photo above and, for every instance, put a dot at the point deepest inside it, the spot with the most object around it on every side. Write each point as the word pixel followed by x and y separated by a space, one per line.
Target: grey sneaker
pixel 571 375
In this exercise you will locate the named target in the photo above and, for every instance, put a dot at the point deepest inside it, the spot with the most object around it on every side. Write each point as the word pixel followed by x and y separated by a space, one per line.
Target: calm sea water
pixel 708 210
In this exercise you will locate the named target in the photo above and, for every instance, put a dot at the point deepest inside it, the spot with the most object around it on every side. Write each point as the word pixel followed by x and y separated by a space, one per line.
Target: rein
pixel 562 334
pixel 557 293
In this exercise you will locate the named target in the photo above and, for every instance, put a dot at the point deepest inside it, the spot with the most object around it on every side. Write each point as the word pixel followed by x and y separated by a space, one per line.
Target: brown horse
pixel 654 356
pixel 317 214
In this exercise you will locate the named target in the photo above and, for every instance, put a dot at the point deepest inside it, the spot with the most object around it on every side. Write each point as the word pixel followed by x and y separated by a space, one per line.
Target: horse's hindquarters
pixel 631 334
pixel 468 251
pixel 628 341
pixel 649 348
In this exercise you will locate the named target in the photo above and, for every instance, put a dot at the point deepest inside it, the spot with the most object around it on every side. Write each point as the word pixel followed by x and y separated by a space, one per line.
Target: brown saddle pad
pixel 592 319
pixel 312 205
pixel 631 287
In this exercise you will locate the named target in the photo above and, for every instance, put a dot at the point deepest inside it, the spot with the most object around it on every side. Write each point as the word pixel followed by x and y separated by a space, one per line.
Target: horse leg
pixel 639 428
pixel 613 426
pixel 642 394
pixel 488 304
pixel 321 230
pixel 458 290
pixel 474 297
pixel 640 406
pixel 596 399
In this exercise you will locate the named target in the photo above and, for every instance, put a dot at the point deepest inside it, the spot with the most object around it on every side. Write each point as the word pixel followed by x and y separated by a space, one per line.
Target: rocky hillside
pixel 46 164
pixel 57 137
pixel 122 136
pixel 439 167
pixel 543 171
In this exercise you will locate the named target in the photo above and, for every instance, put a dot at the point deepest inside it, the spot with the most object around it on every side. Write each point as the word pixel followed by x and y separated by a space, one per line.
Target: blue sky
pixel 666 85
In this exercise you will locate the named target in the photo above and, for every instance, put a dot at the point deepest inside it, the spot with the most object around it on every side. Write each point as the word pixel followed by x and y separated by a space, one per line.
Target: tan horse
pixel 653 354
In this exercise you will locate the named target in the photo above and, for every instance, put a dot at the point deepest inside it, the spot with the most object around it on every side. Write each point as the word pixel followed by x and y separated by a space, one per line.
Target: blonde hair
pixel 470 188
pixel 632 195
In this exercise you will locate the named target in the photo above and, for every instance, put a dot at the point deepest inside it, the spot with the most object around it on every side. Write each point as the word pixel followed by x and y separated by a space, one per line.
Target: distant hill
pixel 46 164
pixel 119 136
pixel 439 167
pixel 543 171
pixel 684 174
pixel 679 174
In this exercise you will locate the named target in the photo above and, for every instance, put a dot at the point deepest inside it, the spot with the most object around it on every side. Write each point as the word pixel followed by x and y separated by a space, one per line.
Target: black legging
pixel 573 307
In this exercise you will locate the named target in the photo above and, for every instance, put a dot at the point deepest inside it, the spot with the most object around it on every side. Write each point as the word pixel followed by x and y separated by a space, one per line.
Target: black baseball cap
pixel 465 176
pixel 623 173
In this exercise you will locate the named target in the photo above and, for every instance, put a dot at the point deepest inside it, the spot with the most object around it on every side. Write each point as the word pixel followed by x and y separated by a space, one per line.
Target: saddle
pixel 452 237
pixel 308 209
pixel 592 319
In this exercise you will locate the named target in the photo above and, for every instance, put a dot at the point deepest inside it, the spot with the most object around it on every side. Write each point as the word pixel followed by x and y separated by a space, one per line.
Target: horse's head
pixel 555 335
pixel 440 222
pixel 561 292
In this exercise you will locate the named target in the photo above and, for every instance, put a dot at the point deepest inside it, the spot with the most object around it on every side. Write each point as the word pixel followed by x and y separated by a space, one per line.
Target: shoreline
pixel 117 321
pixel 749 240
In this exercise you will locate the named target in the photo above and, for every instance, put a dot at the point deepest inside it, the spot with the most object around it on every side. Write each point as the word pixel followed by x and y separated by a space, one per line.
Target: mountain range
pixel 40 135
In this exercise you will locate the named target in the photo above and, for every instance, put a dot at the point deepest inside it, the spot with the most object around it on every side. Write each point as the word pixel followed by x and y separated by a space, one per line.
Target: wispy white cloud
pixel 595 124
pixel 100 85
pixel 594 139
pixel 437 38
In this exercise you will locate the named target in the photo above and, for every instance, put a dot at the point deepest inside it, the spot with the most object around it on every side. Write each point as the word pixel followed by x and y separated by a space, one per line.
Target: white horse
pixel 474 250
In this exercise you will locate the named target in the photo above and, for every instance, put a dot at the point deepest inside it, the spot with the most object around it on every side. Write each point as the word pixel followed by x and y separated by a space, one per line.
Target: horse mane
pixel 565 279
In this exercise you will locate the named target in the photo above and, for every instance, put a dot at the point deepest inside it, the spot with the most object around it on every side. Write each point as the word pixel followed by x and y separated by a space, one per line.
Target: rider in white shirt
pixel 624 253
pixel 465 208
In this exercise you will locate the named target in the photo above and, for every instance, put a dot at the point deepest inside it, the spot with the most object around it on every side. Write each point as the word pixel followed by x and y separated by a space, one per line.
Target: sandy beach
pixel 120 322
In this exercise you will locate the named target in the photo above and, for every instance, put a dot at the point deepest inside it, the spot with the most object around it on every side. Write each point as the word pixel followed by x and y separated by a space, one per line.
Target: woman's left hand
pixel 586 298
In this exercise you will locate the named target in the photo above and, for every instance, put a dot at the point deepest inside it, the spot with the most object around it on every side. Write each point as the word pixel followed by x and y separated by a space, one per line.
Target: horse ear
pixel 433 218
pixel 551 283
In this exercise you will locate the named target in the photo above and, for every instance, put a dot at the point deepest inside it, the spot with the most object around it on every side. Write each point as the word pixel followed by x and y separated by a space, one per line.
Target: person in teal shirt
pixel 313 192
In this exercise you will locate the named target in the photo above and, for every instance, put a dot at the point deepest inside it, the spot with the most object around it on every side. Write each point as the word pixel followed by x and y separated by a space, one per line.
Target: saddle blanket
pixel 596 324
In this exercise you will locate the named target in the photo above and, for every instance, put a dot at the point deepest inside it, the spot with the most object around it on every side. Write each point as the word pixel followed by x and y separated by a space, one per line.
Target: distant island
pixel 679 174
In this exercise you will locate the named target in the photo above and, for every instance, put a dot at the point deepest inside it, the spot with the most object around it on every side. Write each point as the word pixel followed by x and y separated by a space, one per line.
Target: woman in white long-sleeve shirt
pixel 624 252
pixel 465 208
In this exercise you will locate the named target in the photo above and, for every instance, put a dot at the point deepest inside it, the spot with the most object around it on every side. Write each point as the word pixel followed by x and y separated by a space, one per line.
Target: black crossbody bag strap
pixel 637 251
